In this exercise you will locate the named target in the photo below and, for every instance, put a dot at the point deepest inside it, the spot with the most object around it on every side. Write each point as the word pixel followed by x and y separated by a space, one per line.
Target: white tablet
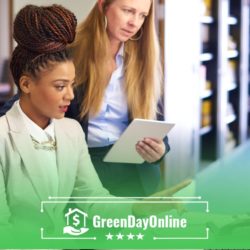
pixel 124 151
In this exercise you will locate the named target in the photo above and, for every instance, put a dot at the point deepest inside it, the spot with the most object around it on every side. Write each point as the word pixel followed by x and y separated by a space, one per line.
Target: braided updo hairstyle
pixel 42 34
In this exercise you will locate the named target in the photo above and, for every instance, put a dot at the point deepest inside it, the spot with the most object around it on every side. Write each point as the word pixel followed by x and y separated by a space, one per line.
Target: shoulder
pixel 68 122
pixel 70 125
pixel 72 130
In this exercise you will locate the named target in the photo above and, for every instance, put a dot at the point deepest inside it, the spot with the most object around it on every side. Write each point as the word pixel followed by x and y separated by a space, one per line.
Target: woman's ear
pixel 100 5
pixel 25 83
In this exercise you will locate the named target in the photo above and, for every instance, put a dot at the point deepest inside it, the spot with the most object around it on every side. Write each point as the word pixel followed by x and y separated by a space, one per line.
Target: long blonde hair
pixel 142 67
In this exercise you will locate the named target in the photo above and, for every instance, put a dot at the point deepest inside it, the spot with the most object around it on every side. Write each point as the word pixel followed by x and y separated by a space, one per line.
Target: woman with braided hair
pixel 43 154
pixel 118 78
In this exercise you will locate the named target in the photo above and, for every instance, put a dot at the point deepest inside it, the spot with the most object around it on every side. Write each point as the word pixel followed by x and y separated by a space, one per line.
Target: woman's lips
pixel 127 32
pixel 64 109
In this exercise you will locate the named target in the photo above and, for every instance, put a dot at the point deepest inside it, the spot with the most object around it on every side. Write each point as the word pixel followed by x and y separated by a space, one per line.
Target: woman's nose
pixel 70 93
pixel 134 20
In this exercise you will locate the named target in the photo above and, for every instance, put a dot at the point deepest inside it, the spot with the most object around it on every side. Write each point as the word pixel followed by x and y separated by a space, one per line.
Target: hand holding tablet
pixel 124 150
pixel 151 149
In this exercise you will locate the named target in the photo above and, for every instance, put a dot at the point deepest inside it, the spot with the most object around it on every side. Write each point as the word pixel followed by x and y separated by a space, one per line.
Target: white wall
pixel 80 7
pixel 182 97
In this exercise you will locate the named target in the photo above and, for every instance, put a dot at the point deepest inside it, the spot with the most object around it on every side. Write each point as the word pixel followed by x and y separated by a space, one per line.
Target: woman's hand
pixel 145 209
pixel 151 149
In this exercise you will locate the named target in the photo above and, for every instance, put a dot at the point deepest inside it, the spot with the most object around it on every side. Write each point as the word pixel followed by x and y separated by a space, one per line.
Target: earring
pixel 105 22
pixel 139 37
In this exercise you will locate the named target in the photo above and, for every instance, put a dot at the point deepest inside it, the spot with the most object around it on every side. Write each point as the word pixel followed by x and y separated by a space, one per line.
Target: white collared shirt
pixel 106 128
pixel 48 158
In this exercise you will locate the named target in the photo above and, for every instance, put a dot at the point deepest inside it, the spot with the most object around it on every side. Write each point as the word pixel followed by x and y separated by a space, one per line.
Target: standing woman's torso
pixel 107 126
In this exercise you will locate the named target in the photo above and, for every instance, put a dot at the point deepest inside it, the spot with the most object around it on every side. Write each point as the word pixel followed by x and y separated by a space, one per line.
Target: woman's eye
pixel 59 88
pixel 127 11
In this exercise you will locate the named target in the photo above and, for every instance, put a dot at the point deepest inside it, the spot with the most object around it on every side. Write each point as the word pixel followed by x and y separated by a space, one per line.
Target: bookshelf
pixel 209 44
pixel 224 114
pixel 208 82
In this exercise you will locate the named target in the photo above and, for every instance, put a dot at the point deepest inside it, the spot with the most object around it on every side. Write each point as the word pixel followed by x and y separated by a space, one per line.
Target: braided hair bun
pixel 44 29
pixel 42 35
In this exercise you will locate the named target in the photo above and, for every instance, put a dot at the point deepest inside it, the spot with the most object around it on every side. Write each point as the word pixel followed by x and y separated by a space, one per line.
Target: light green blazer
pixel 23 183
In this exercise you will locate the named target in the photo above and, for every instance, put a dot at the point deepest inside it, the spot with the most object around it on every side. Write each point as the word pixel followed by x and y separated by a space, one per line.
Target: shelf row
pixel 224 27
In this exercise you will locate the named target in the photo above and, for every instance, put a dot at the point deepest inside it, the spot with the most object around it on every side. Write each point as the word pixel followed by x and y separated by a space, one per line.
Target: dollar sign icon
pixel 76 220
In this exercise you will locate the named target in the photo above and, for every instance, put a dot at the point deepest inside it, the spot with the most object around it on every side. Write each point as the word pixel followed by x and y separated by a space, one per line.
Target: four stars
pixel 120 236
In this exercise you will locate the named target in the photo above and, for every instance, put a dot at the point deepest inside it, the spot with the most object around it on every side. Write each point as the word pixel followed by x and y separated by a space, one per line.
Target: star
pixel 130 236
pixel 140 236
pixel 119 236
pixel 109 236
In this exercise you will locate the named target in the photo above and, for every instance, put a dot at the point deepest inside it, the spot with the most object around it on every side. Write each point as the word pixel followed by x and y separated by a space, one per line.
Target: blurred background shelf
pixel 204 57
pixel 232 20
pixel 207 19
pixel 211 50
pixel 205 130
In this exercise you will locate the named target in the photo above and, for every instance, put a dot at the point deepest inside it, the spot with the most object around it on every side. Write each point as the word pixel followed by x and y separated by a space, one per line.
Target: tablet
pixel 123 151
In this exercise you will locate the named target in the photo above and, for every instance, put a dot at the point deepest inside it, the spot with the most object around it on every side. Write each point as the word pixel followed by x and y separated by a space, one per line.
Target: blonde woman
pixel 119 75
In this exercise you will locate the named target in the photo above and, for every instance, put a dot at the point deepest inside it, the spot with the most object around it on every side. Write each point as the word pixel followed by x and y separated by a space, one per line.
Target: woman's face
pixel 125 18
pixel 50 94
